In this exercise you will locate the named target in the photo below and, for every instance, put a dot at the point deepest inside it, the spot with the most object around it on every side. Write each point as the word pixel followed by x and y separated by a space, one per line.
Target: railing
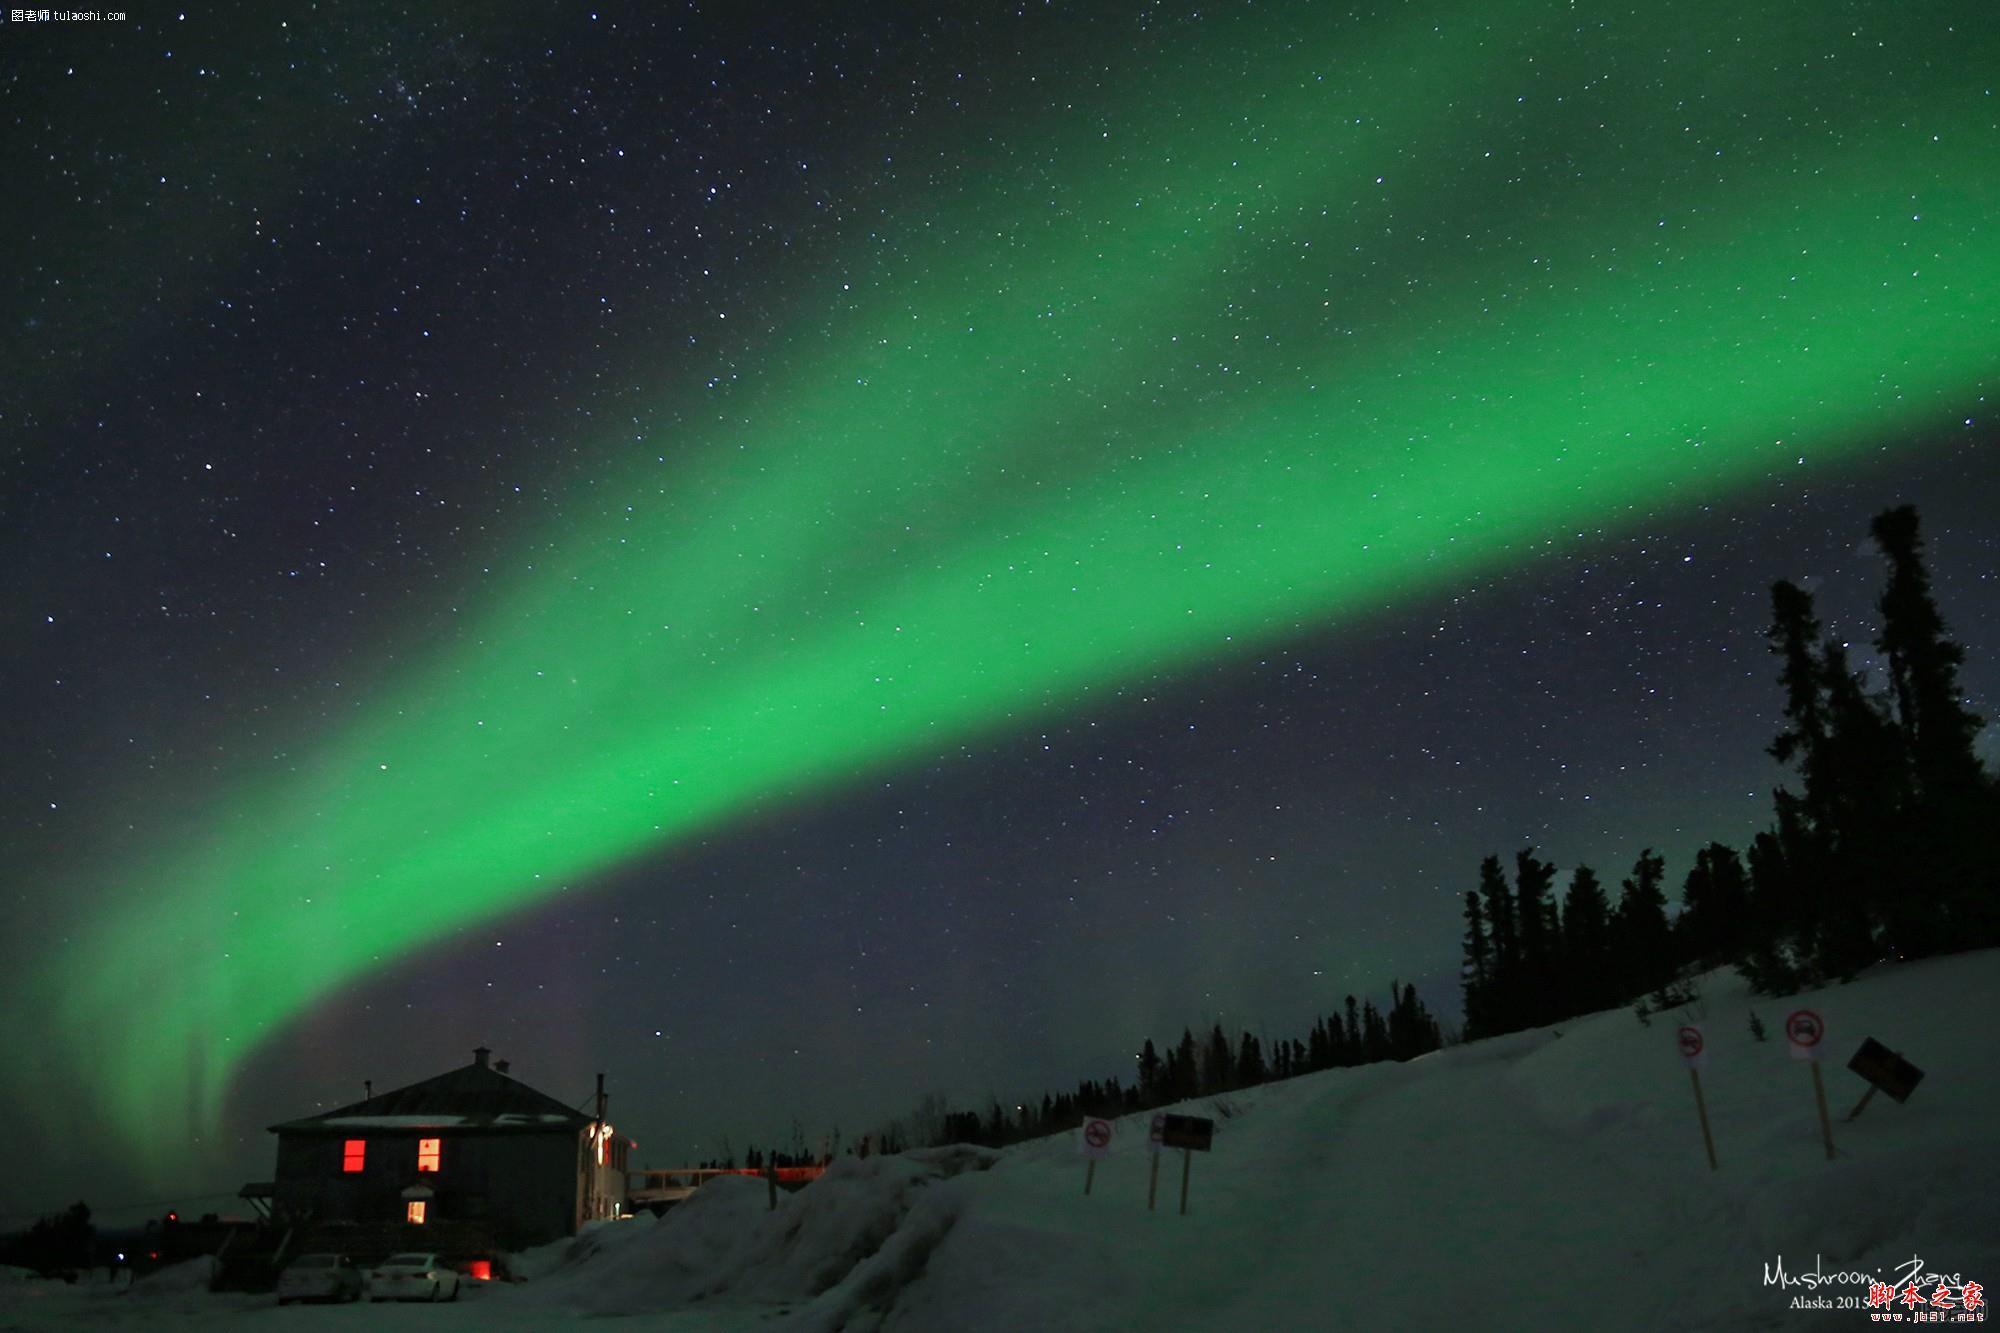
pixel 673 1185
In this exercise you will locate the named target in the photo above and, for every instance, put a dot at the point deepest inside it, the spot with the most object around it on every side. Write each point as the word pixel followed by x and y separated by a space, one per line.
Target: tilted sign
pixel 1886 1070
pixel 1187 1131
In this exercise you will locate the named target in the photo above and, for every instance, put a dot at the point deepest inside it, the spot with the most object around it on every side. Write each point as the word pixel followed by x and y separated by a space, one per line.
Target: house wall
pixel 524 1184
pixel 600 1189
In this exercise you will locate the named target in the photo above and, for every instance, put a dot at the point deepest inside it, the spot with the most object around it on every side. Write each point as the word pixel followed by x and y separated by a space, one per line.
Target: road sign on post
pixel 1095 1144
pixel 1694 1054
pixel 1153 1136
pixel 1191 1134
pixel 1187 1131
pixel 1693 1046
pixel 1805 1031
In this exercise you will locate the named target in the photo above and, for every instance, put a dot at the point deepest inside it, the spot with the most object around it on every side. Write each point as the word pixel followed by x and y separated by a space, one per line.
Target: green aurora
pixel 1254 341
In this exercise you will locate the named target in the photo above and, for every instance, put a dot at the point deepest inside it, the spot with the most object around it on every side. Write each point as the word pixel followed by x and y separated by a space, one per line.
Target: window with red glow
pixel 427 1154
pixel 353 1153
pixel 414 1212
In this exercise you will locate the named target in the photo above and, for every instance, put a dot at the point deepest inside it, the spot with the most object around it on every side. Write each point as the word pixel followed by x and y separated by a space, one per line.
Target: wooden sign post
pixel 1694 1054
pixel 1095 1144
pixel 1806 1031
pixel 1886 1071
pixel 1191 1134
pixel 1153 1150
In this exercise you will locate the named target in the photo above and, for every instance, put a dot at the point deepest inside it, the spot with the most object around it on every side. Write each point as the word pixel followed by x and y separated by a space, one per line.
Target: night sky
pixel 804 557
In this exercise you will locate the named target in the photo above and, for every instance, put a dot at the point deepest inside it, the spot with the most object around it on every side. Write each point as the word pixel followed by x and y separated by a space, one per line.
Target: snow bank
pixel 175 1280
pixel 864 1228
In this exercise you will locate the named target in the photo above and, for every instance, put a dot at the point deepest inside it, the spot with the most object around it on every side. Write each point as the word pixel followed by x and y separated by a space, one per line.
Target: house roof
pixel 474 1096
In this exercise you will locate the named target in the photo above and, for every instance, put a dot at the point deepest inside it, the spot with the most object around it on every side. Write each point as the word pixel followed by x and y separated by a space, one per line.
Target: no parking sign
pixel 1805 1033
pixel 1096 1142
pixel 1693 1047
pixel 1694 1054
pixel 1805 1030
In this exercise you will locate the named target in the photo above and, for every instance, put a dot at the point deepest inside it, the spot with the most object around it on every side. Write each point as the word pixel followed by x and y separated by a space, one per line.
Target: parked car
pixel 413 1277
pixel 319 1277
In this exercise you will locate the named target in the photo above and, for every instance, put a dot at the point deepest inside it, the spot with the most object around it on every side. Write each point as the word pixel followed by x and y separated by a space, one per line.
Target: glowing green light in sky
pixel 1177 378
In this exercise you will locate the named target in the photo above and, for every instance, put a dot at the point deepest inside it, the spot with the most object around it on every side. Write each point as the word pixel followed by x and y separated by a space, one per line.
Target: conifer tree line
pixel 1358 1034
pixel 1884 843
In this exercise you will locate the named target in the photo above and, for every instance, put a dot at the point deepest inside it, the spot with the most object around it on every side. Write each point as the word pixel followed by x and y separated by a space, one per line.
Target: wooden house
pixel 471 1154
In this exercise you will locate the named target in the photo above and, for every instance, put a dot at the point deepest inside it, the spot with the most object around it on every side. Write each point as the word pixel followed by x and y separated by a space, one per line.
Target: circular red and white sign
pixel 1097 1133
pixel 1805 1028
pixel 1690 1039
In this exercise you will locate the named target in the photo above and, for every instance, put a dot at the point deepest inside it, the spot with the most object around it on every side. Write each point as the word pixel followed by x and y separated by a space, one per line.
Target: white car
pixel 319 1277
pixel 413 1277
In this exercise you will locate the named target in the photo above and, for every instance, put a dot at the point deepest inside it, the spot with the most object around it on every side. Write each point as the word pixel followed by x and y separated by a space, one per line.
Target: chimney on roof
pixel 479 1054
pixel 500 1066
pixel 367 1087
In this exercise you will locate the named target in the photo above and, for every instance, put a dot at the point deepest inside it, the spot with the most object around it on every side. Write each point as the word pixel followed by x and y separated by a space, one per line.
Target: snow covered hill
pixel 1552 1179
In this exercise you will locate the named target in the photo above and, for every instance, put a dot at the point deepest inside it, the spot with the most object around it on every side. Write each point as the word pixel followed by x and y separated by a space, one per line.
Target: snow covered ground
pixel 1534 1181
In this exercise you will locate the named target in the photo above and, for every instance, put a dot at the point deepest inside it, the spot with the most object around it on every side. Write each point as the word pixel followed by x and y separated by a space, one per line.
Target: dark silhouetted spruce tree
pixel 1535 918
pixel 1861 800
pixel 1345 1050
pixel 1187 1082
pixel 1149 1072
pixel 1714 923
pixel 1319 1047
pixel 1218 1064
pixel 1250 1070
pixel 1772 961
pixel 1950 896
pixel 1794 636
pixel 1644 947
pixel 1412 1030
pixel 1588 984
pixel 1374 1034
pixel 1476 972
pixel 1832 732
pixel 1503 1000
pixel 1923 666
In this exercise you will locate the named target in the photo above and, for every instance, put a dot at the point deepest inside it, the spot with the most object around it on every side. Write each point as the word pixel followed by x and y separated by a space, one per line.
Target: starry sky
pixel 805 556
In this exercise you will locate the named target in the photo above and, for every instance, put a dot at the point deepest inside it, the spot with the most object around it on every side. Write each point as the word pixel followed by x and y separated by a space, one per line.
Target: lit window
pixel 413 1212
pixel 427 1154
pixel 353 1152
